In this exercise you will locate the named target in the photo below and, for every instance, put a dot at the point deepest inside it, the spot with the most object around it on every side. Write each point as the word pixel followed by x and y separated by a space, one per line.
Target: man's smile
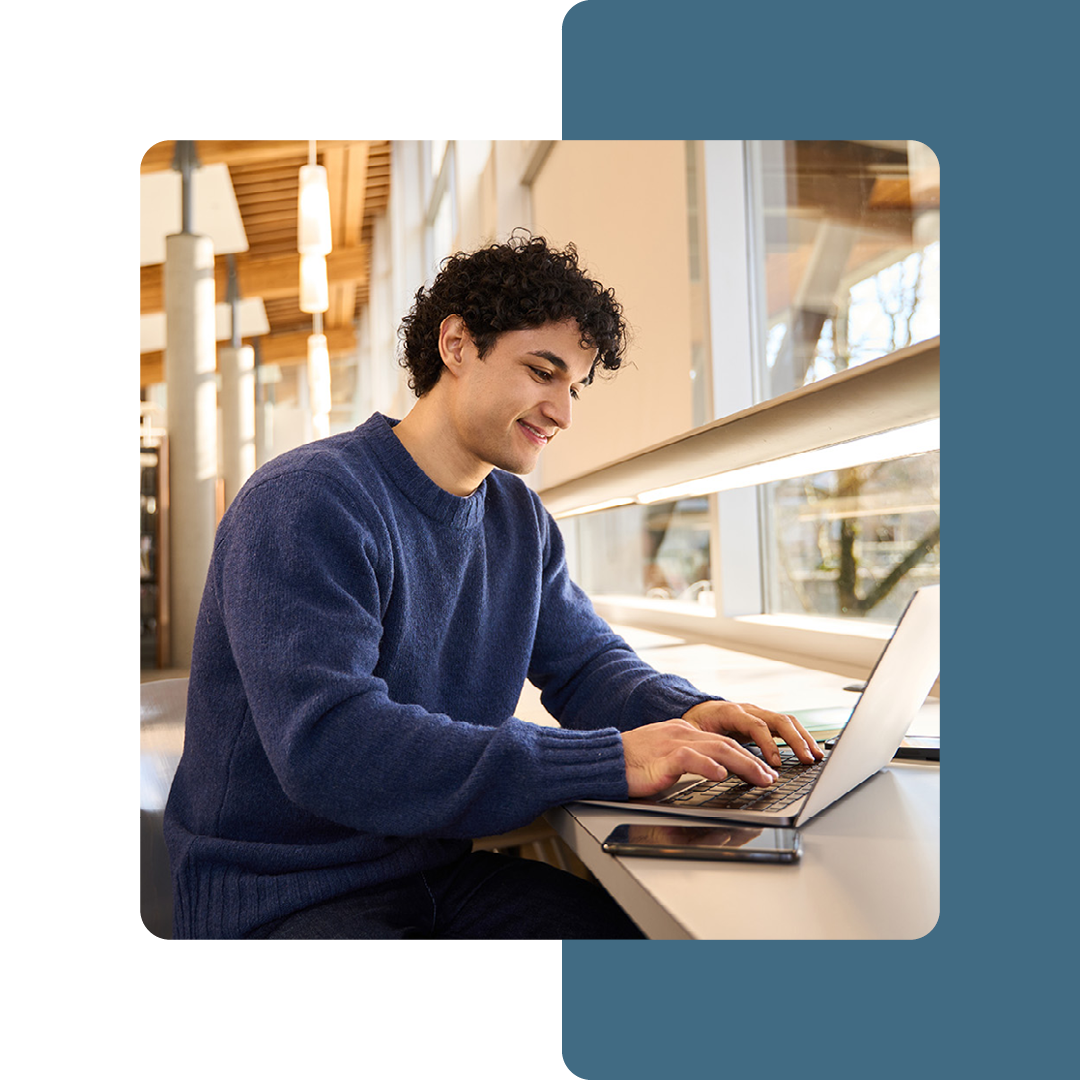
pixel 534 433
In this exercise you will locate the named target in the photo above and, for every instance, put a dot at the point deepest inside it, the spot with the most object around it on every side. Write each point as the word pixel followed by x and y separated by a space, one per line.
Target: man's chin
pixel 518 466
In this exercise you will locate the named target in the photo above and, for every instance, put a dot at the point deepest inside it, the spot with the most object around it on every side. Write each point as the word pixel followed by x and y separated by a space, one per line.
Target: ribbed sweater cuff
pixel 582 764
pixel 672 698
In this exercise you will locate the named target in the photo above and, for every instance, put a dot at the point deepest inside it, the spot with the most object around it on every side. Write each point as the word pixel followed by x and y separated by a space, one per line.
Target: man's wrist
pixel 695 711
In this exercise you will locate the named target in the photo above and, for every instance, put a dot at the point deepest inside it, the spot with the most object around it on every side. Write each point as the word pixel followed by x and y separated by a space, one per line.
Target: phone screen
pixel 766 844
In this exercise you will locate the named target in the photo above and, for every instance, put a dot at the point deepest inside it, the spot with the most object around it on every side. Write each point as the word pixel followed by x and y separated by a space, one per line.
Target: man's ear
pixel 452 340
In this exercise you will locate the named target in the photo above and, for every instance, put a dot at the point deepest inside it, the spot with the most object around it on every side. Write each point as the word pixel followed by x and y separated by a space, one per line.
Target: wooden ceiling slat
pixel 255 218
pixel 278 202
pixel 268 205
pixel 271 192
pixel 255 187
pixel 286 307
pixel 239 153
pixel 277 248
pixel 261 235
pixel 280 173
pixel 285 161
pixel 272 231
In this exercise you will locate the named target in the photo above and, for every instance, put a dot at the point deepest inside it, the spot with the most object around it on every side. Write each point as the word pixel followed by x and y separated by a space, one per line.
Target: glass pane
pixel 854 542
pixel 661 552
pixel 846 254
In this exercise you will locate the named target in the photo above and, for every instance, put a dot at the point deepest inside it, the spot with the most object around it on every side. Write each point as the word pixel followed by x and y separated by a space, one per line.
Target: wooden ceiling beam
pixel 269 278
pixel 160 156
pixel 336 182
pixel 352 216
pixel 281 349
pixel 291 348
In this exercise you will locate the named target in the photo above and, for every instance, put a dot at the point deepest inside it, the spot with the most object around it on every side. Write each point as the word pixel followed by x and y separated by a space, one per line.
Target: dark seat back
pixel 161 741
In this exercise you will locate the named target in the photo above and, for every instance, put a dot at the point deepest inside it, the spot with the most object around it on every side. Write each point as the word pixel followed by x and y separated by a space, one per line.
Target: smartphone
pixel 920 748
pixel 724 842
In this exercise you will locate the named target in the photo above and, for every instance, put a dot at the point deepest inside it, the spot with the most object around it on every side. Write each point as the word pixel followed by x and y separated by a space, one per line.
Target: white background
pixel 88 89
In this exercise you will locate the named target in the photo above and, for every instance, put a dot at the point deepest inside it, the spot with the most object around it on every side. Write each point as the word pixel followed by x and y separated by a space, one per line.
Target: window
pixel 845 255
pixel 816 261
pixel 671 565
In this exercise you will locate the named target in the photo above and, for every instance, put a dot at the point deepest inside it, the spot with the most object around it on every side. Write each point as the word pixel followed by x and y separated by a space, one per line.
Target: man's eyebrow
pixel 555 358
pixel 560 363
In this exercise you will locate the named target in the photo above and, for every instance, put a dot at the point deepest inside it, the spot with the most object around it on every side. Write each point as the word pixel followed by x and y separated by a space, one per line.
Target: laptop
pixel 903 676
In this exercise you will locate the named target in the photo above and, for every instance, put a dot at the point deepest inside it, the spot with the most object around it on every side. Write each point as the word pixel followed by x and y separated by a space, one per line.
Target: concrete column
pixel 265 377
pixel 237 416
pixel 192 409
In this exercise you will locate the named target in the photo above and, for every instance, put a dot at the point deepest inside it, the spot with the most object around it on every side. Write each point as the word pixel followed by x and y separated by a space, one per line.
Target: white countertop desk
pixel 870 863
pixel 869 869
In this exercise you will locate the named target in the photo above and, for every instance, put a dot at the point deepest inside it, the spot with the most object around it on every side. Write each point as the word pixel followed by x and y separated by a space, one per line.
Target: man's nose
pixel 559 407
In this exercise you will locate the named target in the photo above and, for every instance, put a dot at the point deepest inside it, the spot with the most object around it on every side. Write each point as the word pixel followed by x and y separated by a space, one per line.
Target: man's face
pixel 511 403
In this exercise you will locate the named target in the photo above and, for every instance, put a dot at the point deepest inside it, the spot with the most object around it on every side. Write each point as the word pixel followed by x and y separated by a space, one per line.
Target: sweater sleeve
pixel 300 578
pixel 589 677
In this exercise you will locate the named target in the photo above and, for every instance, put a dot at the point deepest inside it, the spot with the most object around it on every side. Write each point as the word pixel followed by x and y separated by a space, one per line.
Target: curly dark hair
pixel 515 285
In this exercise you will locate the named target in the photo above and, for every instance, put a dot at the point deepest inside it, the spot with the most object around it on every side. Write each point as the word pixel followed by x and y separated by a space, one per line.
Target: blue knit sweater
pixel 361 645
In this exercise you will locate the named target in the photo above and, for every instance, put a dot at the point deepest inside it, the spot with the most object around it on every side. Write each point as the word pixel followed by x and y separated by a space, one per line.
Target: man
pixel 374 603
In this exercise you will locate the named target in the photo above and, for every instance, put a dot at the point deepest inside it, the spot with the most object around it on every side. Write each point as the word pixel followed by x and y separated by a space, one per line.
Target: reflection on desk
pixel 870 869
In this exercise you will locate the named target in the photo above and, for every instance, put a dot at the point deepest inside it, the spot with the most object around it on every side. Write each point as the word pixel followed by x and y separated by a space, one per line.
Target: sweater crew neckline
pixel 454 510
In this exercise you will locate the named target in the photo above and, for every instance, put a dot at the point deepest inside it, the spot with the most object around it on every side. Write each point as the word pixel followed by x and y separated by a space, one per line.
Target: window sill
pixel 819 625
pixel 844 647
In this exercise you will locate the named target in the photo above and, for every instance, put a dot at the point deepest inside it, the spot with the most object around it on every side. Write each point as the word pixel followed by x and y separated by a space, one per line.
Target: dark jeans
pixel 483 895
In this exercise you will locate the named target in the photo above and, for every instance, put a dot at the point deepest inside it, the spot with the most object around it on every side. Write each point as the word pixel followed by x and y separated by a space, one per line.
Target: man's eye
pixel 574 394
pixel 541 373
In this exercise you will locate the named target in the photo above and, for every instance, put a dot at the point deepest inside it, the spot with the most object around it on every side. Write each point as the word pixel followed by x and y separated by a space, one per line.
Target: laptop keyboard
pixel 795 781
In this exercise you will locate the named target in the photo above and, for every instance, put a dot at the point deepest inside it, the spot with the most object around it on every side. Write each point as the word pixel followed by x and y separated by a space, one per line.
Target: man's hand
pixel 658 754
pixel 748 723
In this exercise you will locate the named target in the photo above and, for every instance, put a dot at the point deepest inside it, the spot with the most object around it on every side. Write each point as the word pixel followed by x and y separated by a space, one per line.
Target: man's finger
pixel 759 730
pixel 712 750
pixel 811 742
pixel 796 736
pixel 738 760
pixel 791 731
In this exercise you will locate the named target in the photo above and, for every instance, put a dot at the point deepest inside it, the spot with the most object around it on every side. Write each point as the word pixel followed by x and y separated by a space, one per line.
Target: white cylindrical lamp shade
pixel 313 236
pixel 318 358
pixel 314 286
